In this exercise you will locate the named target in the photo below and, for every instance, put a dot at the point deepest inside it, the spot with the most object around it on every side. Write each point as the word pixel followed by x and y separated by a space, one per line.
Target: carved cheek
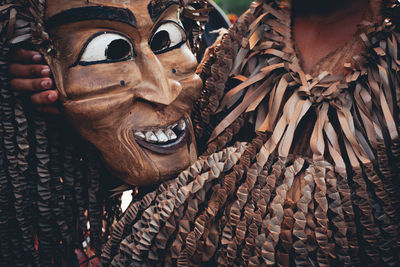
pixel 179 62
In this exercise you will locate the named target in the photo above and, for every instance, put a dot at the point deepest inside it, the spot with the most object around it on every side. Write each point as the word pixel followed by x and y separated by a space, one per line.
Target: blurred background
pixel 233 8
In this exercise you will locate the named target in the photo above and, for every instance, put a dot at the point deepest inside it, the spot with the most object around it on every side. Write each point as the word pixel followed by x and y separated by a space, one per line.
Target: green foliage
pixel 234 6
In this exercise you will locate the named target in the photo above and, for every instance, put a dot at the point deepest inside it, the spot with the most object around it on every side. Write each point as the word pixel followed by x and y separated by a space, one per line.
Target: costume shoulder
pixel 239 55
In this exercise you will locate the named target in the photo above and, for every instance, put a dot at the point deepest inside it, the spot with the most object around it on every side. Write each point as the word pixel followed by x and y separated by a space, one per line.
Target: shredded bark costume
pixel 319 187
pixel 318 184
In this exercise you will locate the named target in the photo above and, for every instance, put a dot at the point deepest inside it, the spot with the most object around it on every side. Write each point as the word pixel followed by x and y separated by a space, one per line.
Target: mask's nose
pixel 156 86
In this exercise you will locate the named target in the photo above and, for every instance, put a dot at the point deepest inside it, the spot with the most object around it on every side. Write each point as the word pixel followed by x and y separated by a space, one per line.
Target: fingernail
pixel 45 84
pixel 52 97
pixel 37 57
pixel 45 72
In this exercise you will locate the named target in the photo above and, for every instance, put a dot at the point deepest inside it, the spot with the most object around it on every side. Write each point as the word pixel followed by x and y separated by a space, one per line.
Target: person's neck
pixel 320 27
pixel 323 9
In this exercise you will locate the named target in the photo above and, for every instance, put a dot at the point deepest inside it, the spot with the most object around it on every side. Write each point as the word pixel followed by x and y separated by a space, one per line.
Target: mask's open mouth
pixel 164 140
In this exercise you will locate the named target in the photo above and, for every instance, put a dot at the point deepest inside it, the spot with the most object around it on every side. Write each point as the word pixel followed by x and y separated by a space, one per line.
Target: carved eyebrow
pixel 157 7
pixel 92 13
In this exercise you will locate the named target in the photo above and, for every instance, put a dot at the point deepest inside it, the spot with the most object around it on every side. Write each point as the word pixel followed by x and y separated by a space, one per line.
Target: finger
pixel 38 84
pixel 27 56
pixel 45 97
pixel 29 71
pixel 49 109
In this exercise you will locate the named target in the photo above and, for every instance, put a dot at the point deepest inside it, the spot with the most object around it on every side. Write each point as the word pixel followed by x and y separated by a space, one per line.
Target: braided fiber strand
pixel 45 220
pixel 369 230
pixel 321 209
pixel 337 218
pixel 95 200
pixel 300 217
pixel 56 151
pixel 9 159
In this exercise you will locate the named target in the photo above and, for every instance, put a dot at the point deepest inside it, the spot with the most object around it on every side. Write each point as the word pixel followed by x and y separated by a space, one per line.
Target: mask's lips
pixel 164 140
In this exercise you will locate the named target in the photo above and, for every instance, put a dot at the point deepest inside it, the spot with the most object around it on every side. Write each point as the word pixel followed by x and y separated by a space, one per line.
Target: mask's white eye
pixel 106 48
pixel 168 36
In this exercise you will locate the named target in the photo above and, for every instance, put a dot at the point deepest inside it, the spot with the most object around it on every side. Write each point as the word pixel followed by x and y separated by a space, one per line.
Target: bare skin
pixel 321 27
pixel 31 75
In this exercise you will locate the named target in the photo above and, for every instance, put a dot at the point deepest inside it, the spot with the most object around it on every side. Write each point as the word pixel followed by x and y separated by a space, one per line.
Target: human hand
pixel 29 74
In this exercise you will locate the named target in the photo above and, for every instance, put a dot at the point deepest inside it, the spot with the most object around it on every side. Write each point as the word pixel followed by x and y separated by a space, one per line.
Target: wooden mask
pixel 126 78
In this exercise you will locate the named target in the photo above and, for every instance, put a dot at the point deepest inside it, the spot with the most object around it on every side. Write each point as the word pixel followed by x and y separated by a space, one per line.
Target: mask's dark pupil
pixel 160 41
pixel 118 49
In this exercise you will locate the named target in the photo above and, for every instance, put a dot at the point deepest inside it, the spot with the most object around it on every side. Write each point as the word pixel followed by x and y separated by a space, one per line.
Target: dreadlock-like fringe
pixel 44 188
pixel 13 184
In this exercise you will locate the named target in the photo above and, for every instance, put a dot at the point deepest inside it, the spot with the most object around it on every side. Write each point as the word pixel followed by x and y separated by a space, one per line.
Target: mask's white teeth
pixel 140 135
pixel 171 135
pixel 181 125
pixel 151 137
pixel 161 136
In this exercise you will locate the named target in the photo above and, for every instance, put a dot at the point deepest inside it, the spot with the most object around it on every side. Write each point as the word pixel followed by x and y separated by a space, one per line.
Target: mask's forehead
pixel 56 6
